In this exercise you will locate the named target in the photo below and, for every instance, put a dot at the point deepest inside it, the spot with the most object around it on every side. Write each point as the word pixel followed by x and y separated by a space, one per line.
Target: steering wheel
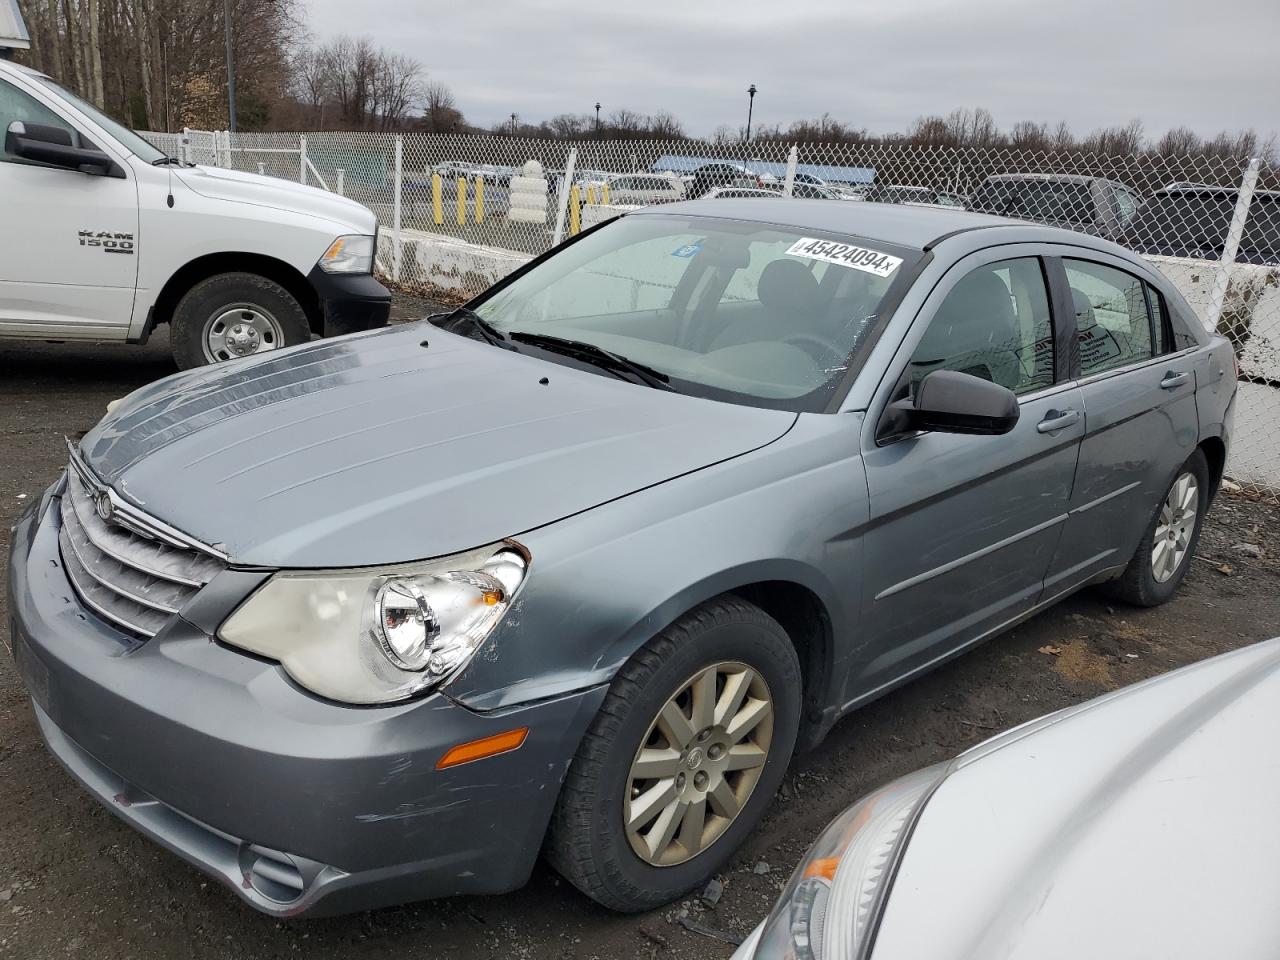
pixel 819 348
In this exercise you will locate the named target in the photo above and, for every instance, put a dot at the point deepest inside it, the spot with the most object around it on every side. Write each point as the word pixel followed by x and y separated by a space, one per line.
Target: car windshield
pixel 752 313
pixel 126 137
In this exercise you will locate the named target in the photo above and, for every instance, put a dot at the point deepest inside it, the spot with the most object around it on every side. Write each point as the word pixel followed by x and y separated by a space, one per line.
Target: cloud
pixel 876 64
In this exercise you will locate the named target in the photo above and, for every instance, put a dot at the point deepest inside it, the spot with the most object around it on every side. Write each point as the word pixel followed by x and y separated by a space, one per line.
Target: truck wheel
pixel 682 760
pixel 234 315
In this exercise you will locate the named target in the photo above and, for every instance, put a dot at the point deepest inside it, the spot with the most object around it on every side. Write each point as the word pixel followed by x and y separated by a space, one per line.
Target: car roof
pixel 915 227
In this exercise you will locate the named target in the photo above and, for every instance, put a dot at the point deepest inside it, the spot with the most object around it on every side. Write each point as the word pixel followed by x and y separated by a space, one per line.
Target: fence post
pixel 562 200
pixel 262 169
pixel 788 185
pixel 1221 283
pixel 184 146
pixel 397 182
pixel 341 176
pixel 302 158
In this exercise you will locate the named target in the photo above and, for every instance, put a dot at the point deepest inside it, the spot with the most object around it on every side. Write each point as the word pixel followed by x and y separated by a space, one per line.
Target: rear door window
pixel 1113 327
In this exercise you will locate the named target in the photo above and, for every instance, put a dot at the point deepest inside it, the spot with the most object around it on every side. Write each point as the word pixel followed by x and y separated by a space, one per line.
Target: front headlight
pixel 350 254
pixel 374 636
pixel 833 902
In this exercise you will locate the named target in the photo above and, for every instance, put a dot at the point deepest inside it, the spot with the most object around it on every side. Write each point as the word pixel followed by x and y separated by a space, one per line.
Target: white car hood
pixel 233 185
pixel 1144 825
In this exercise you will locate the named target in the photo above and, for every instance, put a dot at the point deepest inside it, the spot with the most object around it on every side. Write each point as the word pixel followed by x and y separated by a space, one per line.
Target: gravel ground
pixel 74 881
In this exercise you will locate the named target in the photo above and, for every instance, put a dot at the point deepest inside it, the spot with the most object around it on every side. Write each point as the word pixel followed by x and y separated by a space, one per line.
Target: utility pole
pixel 513 124
pixel 231 65
pixel 597 119
pixel 751 102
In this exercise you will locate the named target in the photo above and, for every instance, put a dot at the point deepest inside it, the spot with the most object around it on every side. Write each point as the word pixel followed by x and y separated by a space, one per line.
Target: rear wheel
pixel 683 759
pixel 233 315
pixel 1164 555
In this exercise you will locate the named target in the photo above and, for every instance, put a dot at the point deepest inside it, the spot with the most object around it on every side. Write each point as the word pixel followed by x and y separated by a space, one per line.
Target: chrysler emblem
pixel 102 503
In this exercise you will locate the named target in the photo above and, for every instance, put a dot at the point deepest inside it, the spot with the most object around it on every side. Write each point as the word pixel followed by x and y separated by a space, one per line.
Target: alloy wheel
pixel 698 764
pixel 1174 527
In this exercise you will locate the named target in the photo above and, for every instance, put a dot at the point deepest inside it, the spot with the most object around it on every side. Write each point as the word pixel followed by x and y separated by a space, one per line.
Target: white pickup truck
pixel 105 238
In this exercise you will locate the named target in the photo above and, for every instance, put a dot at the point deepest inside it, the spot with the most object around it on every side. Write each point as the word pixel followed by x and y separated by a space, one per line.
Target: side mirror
pixel 45 143
pixel 951 402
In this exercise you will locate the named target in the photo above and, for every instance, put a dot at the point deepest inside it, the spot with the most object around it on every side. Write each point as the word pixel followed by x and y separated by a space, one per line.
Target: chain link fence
pixel 456 213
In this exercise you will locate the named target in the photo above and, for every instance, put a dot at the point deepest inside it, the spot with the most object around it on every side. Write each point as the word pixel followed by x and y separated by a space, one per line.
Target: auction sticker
pixel 846 255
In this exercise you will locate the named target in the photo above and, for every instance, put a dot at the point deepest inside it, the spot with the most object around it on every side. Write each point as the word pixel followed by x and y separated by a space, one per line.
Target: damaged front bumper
pixel 298 805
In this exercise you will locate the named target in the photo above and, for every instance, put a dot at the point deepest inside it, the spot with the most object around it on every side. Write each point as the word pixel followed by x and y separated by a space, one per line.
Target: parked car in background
pixel 644 188
pixel 574 568
pixel 1139 824
pixel 810 191
pixel 1092 205
pixel 719 175
pixel 109 238
pixel 1183 227
pixel 1190 220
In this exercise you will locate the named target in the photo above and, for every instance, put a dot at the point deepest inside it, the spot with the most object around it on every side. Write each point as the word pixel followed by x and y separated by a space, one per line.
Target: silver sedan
pixel 1139 824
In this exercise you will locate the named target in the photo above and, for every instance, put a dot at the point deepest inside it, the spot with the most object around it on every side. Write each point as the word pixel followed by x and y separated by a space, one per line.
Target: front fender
pixel 603 582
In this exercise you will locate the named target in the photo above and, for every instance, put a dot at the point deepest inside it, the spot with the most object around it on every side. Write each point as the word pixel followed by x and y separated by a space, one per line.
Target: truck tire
pixel 682 760
pixel 233 315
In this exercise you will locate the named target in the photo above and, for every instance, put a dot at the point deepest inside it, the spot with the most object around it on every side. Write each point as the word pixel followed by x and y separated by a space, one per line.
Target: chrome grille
pixel 129 579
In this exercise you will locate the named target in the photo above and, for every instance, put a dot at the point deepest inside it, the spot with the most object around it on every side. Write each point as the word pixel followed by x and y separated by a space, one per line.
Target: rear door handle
pixel 1056 420
pixel 1174 379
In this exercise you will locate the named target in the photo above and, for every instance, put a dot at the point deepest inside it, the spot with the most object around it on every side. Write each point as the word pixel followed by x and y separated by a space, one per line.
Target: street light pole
pixel 751 102
pixel 597 119
pixel 231 65
pixel 513 124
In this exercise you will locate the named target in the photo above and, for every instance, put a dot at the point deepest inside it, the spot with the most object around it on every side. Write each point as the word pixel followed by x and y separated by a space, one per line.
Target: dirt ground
pixel 74 881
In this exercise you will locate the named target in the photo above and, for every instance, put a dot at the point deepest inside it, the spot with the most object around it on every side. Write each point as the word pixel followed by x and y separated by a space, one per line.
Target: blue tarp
pixel 824 171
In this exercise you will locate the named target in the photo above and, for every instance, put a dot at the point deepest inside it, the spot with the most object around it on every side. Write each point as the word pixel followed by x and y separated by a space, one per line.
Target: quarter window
pixel 994 324
pixel 1113 326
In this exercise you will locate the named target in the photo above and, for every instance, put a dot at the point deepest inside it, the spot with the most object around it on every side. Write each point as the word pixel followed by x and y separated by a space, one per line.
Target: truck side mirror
pixel 46 143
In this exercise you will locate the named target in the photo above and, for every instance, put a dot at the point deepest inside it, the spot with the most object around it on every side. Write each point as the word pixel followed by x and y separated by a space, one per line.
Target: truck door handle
pixel 1174 379
pixel 1056 420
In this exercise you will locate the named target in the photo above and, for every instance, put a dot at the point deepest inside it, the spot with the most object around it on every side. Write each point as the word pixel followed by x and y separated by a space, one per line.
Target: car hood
pixel 1141 825
pixel 220 184
pixel 378 448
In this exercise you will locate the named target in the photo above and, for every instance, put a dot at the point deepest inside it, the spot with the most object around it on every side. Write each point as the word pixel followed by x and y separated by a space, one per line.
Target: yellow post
pixel 591 193
pixel 437 207
pixel 604 194
pixel 479 199
pixel 462 201
pixel 575 213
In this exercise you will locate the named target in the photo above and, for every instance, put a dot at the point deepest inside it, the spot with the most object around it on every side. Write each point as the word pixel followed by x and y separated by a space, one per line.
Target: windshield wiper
pixel 597 356
pixel 170 162
pixel 464 318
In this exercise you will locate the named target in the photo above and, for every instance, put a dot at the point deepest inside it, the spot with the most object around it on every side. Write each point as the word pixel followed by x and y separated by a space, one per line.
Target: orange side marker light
pixel 485 747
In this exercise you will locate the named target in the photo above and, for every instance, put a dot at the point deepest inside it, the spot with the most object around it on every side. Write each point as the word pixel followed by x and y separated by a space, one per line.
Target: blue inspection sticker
pixel 688 250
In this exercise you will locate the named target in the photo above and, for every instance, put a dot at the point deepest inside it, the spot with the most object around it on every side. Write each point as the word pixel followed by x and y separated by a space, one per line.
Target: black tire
pixel 587 843
pixel 1138 584
pixel 213 296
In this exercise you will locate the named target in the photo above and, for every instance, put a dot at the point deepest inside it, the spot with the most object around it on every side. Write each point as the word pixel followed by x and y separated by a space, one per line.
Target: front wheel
pixel 682 760
pixel 1164 555
pixel 235 315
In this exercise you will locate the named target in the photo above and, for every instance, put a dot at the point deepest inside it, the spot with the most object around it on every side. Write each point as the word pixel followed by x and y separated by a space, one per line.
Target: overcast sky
pixel 1207 65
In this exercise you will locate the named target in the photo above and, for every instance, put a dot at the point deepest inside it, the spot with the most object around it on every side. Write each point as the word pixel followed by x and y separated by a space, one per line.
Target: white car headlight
pixel 349 254
pixel 375 636
pixel 833 902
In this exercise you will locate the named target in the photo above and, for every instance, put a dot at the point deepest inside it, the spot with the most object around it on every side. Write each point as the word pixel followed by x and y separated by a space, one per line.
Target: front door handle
pixel 1056 420
pixel 1174 379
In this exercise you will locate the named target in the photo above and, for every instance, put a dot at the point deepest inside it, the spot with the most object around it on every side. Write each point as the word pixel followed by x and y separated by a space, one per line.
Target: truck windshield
pixel 123 135
pixel 741 311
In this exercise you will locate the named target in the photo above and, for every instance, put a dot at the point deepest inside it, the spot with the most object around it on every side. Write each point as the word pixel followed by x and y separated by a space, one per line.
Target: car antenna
pixel 169 199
